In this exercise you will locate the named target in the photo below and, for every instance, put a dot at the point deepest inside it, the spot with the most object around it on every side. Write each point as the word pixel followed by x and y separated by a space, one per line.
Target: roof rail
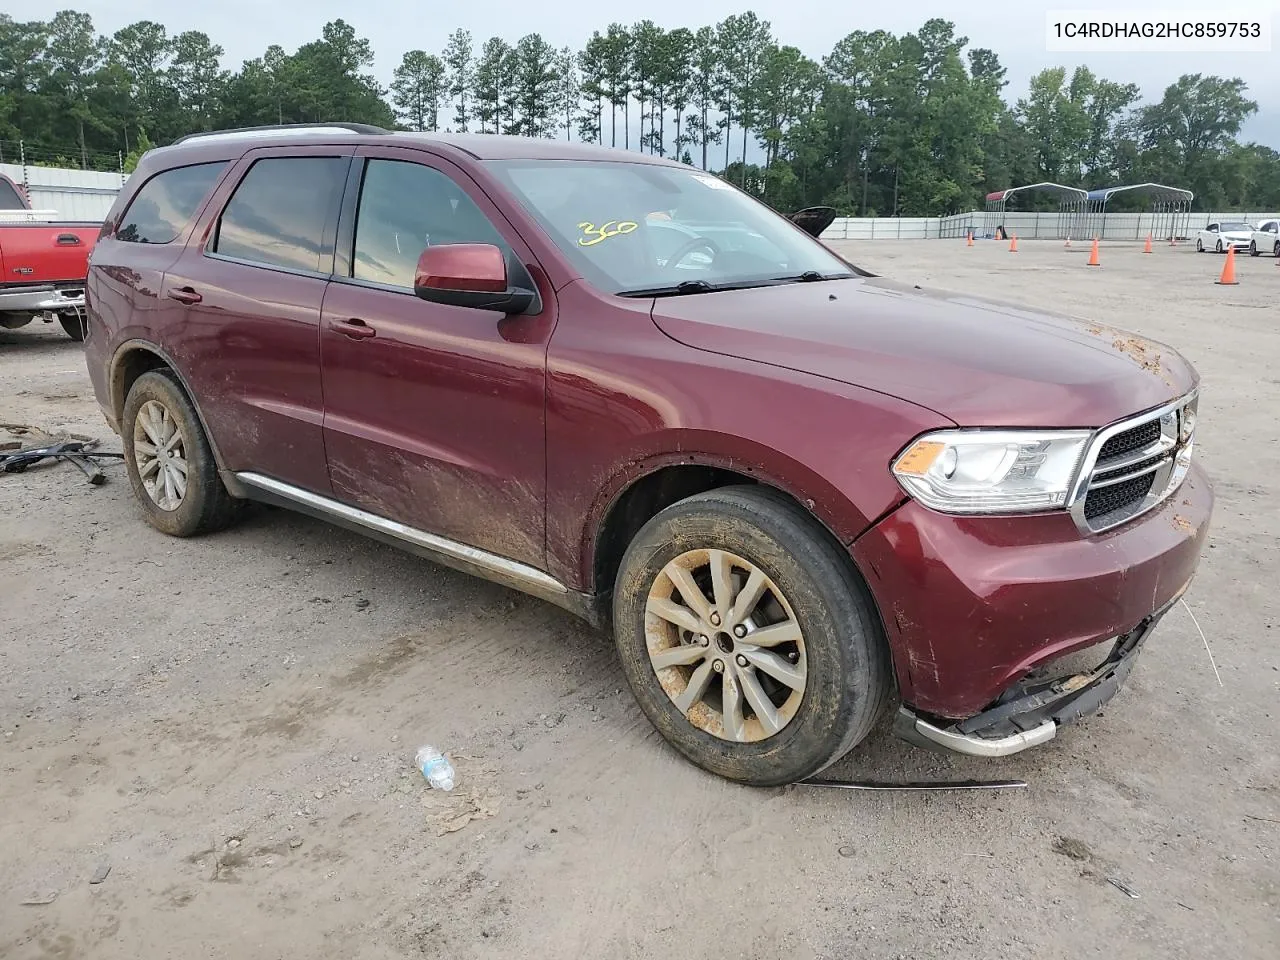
pixel 269 129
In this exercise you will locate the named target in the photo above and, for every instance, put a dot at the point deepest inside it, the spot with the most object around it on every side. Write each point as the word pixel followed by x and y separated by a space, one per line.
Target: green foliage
pixel 142 145
pixel 913 124
pixel 459 61
pixel 418 89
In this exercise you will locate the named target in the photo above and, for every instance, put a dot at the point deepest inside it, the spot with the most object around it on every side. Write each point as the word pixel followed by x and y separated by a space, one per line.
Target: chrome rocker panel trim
pixel 469 559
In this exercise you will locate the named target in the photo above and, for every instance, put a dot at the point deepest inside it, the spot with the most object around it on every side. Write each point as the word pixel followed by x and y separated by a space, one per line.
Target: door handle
pixel 184 295
pixel 68 240
pixel 353 328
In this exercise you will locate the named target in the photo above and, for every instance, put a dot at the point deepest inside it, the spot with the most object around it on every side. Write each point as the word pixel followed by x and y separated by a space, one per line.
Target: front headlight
pixel 992 471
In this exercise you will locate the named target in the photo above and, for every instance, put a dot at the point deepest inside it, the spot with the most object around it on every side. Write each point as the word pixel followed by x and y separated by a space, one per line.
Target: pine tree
pixel 418 88
pixel 460 64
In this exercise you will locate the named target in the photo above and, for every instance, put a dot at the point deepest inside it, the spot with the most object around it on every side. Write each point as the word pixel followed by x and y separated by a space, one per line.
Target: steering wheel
pixel 697 243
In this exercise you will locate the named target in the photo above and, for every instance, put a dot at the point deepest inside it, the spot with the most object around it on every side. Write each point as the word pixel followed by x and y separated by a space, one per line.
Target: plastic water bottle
pixel 435 766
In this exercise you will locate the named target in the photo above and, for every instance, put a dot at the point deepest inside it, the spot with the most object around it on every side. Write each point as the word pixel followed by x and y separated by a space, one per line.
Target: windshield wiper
pixel 702 286
pixel 684 288
pixel 811 276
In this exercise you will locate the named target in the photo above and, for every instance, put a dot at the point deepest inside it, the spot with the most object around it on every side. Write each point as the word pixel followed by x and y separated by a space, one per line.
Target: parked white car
pixel 1265 239
pixel 1221 234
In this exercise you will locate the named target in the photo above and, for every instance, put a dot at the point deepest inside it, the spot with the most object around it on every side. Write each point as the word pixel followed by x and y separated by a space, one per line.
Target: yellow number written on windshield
pixel 591 234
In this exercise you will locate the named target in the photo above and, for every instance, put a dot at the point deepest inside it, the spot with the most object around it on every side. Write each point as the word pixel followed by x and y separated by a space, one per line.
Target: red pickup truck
pixel 42 265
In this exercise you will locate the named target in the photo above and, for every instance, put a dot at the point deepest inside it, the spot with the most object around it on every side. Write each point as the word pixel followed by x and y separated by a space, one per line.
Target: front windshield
pixel 633 228
pixel 1236 228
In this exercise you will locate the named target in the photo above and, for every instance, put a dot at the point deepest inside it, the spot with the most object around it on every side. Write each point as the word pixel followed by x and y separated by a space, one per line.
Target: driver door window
pixel 404 208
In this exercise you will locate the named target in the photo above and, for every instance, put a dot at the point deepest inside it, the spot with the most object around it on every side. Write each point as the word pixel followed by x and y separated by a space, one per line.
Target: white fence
pixel 1028 226
pixel 72 194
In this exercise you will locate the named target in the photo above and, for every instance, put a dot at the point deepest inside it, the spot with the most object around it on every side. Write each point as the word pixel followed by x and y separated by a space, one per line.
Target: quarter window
pixel 167 202
pixel 278 215
pixel 404 208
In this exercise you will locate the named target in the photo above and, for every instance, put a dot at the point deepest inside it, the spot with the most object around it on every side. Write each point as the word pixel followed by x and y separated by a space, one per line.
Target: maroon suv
pixel 619 384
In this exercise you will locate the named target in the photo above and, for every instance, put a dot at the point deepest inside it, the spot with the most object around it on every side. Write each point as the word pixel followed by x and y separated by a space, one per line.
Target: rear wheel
pixel 73 324
pixel 1276 250
pixel 748 639
pixel 169 460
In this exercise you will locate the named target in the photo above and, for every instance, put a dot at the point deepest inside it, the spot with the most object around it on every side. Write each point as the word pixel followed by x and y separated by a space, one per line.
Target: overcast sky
pixel 1015 29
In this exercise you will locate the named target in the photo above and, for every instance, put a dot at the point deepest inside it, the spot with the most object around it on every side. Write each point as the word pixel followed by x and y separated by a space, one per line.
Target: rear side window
pixel 167 202
pixel 278 215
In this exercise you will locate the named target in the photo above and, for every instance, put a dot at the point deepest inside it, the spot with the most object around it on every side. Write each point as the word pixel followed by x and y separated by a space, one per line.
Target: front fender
pixel 843 517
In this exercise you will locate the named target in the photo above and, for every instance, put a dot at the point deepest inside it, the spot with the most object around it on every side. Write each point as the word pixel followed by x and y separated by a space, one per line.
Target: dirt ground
pixel 229 724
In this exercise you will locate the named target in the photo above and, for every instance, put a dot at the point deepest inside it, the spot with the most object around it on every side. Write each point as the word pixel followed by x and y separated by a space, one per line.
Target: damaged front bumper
pixel 1030 712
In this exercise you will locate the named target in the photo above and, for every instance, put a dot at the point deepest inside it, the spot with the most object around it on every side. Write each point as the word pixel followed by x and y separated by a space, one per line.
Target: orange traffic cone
pixel 1013 244
pixel 1229 268
pixel 1147 248
pixel 970 243
pixel 1093 254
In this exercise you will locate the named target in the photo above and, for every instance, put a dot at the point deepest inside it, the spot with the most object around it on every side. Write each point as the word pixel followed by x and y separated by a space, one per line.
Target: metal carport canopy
pixel 1158 190
pixel 1057 187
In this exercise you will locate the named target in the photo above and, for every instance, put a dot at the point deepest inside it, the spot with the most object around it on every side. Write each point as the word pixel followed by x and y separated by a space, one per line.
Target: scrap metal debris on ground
pixel 81 452
pixel 1124 888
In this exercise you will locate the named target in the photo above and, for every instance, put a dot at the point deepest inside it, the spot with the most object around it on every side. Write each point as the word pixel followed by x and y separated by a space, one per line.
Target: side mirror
pixel 470 275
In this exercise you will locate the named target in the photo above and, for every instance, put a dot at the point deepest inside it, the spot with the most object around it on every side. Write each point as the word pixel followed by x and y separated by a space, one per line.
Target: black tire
pixel 848 679
pixel 1199 245
pixel 1218 248
pixel 206 506
pixel 1276 250
pixel 1253 249
pixel 73 324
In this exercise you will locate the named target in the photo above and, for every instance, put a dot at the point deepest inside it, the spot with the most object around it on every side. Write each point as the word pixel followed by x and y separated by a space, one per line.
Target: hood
pixel 976 362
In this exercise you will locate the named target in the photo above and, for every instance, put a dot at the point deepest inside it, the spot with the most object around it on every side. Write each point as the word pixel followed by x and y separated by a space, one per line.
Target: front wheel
pixel 1199 245
pixel 1218 248
pixel 1276 250
pixel 1253 248
pixel 747 637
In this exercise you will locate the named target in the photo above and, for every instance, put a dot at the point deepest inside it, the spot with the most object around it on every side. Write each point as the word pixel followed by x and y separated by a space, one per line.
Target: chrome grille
pixel 1135 438
pixel 1133 465
pixel 1104 500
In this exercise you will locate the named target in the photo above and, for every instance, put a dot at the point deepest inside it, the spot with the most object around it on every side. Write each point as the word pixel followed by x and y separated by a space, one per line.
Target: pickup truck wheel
pixel 169 461
pixel 73 324
pixel 747 638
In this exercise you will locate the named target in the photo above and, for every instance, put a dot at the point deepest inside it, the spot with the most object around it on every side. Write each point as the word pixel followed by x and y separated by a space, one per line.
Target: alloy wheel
pixel 161 455
pixel 725 645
